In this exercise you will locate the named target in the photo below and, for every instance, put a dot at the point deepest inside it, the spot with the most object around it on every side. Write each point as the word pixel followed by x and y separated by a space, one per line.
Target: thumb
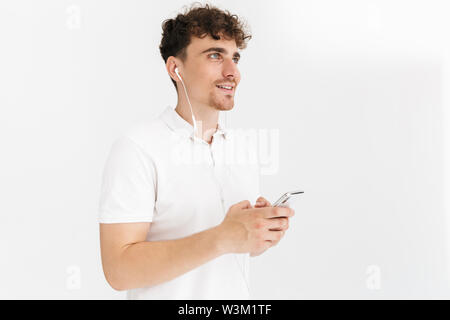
pixel 262 202
pixel 245 204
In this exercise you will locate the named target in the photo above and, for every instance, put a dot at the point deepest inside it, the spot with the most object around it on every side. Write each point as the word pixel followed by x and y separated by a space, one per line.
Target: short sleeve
pixel 128 187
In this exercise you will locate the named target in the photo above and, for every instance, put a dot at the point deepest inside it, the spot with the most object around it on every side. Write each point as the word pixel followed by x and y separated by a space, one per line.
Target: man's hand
pixel 249 229
pixel 261 203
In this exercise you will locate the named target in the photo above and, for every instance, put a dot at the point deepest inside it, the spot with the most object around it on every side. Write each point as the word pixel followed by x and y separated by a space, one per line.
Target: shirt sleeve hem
pixel 124 219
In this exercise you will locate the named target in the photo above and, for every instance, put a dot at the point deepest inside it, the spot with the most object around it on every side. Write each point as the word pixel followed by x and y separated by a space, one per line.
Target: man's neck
pixel 207 118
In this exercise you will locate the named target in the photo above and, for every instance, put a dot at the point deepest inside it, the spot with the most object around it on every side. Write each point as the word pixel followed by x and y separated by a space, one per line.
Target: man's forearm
pixel 153 262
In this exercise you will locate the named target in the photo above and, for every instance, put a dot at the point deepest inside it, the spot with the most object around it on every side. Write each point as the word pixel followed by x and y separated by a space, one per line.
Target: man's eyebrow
pixel 221 50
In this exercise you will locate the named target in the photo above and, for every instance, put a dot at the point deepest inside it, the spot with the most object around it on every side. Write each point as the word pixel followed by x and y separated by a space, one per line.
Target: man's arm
pixel 129 261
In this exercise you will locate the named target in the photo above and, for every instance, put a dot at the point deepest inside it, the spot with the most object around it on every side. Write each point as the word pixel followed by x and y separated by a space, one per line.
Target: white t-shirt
pixel 158 172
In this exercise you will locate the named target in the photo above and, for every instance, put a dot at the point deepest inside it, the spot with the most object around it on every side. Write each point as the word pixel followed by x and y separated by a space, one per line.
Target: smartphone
pixel 285 198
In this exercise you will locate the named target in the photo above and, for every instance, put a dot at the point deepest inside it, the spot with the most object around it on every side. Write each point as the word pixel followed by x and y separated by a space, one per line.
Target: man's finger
pixel 275 212
pixel 262 202
pixel 275 242
pixel 273 235
pixel 244 204
pixel 278 224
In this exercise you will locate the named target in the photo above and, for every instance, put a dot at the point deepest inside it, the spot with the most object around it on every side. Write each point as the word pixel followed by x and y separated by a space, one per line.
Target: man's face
pixel 211 63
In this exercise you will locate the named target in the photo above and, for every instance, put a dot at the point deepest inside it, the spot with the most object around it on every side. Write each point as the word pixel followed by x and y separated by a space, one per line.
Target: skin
pixel 129 261
pixel 201 72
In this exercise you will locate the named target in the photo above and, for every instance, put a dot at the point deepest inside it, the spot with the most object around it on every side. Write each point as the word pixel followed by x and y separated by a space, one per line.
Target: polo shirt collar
pixel 184 128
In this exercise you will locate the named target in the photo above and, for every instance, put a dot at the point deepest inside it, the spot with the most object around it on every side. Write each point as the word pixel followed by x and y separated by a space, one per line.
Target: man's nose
pixel 230 70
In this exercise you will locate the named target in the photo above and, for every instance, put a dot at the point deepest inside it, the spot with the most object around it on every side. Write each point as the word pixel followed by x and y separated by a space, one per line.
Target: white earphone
pixel 192 112
pixel 176 71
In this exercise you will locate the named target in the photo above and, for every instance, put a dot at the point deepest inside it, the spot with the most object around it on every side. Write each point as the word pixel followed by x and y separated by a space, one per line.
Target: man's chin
pixel 222 104
pixel 219 105
pixel 224 107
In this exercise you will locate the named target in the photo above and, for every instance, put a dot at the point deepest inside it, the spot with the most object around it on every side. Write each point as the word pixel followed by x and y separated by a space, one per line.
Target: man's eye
pixel 212 55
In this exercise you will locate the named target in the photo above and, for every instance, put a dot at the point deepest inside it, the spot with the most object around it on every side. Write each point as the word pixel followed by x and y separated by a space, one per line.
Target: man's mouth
pixel 225 88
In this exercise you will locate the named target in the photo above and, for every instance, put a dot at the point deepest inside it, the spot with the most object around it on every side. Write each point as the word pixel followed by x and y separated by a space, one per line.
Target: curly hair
pixel 200 21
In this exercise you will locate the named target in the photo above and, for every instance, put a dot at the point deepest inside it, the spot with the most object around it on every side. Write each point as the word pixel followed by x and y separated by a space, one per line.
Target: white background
pixel 359 91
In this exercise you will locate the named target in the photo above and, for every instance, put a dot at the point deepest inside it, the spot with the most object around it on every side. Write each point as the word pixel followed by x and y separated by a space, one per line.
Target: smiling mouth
pixel 226 89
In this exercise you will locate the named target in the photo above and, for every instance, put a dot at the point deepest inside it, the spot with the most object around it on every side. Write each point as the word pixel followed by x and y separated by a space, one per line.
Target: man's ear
pixel 171 65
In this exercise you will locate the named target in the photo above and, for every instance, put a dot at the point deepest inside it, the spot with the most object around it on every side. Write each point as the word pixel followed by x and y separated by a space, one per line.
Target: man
pixel 174 229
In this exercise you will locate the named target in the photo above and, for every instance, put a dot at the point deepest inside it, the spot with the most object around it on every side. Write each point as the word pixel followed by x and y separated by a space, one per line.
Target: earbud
pixel 176 71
